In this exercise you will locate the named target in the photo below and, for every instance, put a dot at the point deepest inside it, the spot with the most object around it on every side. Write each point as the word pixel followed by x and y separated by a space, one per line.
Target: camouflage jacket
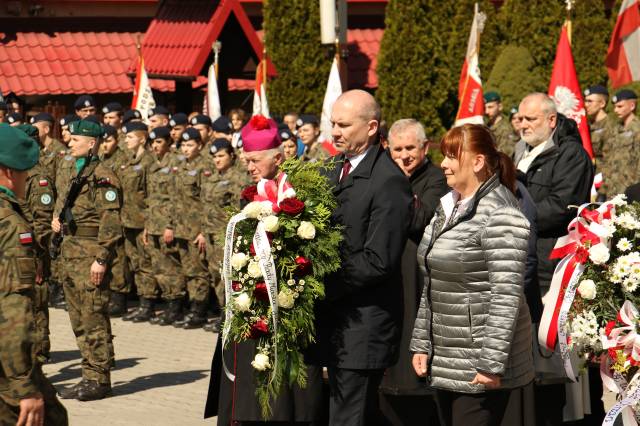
pixel 39 203
pixel 506 138
pixel 17 280
pixel 96 212
pixel 133 178
pixel 115 160
pixel 601 134
pixel 188 204
pixel 219 191
pixel 161 194
pixel 315 153
pixel 51 157
pixel 620 164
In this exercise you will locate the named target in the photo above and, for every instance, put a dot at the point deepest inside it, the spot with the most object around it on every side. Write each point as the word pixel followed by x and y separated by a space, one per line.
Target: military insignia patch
pixel 137 167
pixel 26 238
pixel 165 170
pixel 207 173
pixel 43 182
pixel 45 199
pixel 192 172
pixel 110 195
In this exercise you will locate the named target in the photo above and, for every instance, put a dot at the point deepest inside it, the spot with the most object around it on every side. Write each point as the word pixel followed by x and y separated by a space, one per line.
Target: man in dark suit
pixel 359 323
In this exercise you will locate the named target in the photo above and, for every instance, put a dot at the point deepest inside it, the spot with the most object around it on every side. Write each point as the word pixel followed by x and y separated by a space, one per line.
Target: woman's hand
pixel 489 381
pixel 419 362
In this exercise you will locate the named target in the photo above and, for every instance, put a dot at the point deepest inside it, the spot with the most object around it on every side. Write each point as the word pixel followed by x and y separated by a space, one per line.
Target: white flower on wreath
pixel 306 230
pixel 627 221
pixel 261 362
pixel 587 289
pixel 271 223
pixel 599 254
pixel 619 200
pixel 584 330
pixel 258 209
pixel 239 260
pixel 242 302
pixel 286 299
pixel 624 244
pixel 254 270
pixel 630 284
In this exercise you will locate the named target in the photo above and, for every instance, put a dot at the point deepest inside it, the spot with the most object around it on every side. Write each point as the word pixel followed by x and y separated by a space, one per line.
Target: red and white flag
pixel 211 105
pixel 334 90
pixel 564 88
pixel 260 105
pixel 142 95
pixel 623 56
pixel 471 109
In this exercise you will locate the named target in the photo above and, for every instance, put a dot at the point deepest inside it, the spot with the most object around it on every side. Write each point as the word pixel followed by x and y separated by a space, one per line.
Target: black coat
pixel 428 185
pixel 561 176
pixel 359 322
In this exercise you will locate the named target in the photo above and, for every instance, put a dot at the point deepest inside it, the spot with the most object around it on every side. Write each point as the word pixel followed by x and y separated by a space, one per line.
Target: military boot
pixel 131 315
pixel 146 310
pixel 171 314
pixel 93 391
pixel 72 392
pixel 197 316
pixel 117 304
pixel 213 326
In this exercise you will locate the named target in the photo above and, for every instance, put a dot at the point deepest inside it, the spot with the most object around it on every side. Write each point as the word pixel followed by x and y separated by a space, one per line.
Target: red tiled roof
pixel 69 63
pixel 178 40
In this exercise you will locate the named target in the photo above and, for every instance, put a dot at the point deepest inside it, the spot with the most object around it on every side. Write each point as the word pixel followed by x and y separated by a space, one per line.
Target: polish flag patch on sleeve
pixel 26 238
pixel 43 182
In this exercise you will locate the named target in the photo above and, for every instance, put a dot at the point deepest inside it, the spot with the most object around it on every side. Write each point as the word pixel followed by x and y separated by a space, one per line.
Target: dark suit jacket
pixel 359 322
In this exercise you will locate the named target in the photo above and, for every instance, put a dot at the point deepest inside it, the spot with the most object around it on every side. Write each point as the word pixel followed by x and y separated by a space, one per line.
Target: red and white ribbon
pixel 274 191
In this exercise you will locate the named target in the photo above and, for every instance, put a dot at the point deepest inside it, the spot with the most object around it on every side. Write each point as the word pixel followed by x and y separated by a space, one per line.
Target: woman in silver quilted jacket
pixel 472 335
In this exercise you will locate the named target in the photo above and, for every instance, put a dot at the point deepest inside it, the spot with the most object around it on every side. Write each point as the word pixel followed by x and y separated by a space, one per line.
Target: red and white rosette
pixel 585 231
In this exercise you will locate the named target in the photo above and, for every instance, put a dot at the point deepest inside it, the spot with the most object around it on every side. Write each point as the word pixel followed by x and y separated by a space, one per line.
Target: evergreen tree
pixel 514 76
pixel 412 58
pixel 292 36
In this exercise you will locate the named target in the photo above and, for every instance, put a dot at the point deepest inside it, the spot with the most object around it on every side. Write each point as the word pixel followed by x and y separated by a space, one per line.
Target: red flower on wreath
pixel 249 193
pixel 259 328
pixel 260 292
pixel 582 254
pixel 292 206
pixel 304 266
pixel 236 285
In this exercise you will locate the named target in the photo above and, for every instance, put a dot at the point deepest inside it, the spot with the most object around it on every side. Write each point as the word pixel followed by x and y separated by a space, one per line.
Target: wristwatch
pixel 101 261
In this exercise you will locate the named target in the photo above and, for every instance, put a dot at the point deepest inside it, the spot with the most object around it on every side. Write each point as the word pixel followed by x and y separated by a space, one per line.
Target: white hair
pixel 405 125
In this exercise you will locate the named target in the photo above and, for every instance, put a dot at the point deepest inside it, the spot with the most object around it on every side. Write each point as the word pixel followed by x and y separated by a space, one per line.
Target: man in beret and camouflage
pixel 505 137
pixel 26 396
pixel 85 106
pixel 91 232
pixel 600 125
pixel 158 117
pixel 177 124
pixel 620 164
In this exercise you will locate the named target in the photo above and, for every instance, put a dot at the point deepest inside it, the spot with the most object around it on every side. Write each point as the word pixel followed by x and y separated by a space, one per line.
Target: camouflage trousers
pixel 165 260
pixel 42 345
pixel 139 263
pixel 120 281
pixel 194 270
pixel 88 312
pixel 215 254
pixel 54 412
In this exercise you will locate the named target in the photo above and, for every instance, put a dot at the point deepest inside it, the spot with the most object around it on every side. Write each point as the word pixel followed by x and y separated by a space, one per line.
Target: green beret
pixel 85 128
pixel 30 130
pixel 17 150
pixel 492 97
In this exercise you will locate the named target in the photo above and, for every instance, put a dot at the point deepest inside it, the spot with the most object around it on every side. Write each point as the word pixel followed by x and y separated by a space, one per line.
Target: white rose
pixel 285 299
pixel 599 254
pixel 242 302
pixel 261 362
pixel 271 223
pixel 254 269
pixel 238 260
pixel 587 289
pixel 253 209
pixel 306 230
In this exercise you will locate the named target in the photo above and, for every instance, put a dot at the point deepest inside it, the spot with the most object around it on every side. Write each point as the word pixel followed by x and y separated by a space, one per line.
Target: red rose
pixel 260 292
pixel 259 328
pixel 236 285
pixel 610 325
pixel 304 266
pixel 292 206
pixel 249 193
pixel 582 254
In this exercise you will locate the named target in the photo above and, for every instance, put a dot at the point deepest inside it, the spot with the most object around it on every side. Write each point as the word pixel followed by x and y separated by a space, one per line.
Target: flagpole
pixel 216 46
pixel 264 66
pixel 568 20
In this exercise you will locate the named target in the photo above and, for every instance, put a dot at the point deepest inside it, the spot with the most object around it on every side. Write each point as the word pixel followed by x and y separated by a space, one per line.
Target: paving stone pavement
pixel 161 375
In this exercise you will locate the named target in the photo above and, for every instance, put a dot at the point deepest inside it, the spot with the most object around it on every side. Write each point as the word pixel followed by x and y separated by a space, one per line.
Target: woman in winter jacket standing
pixel 472 335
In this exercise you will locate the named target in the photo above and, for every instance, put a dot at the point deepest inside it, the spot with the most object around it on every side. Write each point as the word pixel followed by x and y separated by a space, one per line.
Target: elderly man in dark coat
pixel 405 397
pixel 359 323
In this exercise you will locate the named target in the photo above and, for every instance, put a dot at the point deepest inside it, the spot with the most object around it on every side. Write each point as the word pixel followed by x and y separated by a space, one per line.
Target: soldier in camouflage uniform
pixel 158 117
pixel 113 156
pixel 112 116
pixel 87 249
pixel 188 232
pixel 502 130
pixel 620 164
pixel 221 188
pixel 159 225
pixel 26 395
pixel 202 124
pixel 600 124
pixel 133 178
pixel 178 123
pixel 308 126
